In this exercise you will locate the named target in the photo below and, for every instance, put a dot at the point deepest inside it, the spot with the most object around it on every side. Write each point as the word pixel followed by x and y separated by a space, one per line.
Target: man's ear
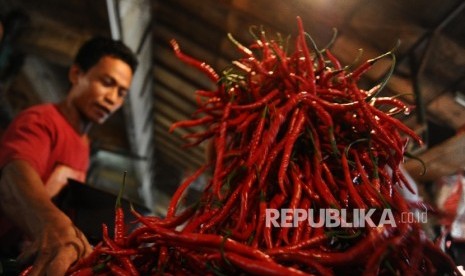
pixel 73 73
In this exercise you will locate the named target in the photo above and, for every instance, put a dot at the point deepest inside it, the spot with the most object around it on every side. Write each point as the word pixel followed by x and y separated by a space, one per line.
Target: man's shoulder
pixel 45 108
pixel 43 112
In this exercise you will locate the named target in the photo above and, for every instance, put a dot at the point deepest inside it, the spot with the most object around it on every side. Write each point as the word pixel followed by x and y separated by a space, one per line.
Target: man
pixel 47 144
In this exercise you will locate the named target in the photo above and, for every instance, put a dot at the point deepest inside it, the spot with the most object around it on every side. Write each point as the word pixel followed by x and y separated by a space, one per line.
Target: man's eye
pixel 107 81
pixel 122 93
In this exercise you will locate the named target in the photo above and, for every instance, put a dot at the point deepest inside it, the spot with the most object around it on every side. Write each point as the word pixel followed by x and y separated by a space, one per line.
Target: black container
pixel 89 208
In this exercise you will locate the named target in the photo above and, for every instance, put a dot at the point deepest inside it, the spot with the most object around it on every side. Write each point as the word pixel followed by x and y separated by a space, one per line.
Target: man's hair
pixel 97 47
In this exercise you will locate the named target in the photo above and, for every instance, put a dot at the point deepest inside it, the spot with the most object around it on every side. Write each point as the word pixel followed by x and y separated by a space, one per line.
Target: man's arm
pixel 56 242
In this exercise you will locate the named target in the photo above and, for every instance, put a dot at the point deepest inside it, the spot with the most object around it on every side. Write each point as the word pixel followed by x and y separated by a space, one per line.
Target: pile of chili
pixel 289 130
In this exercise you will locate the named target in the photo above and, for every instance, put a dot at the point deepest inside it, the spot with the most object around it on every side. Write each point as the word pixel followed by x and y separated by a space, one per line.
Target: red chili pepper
pixel 92 269
pixel 116 270
pixel 261 267
pixel 315 241
pixel 88 271
pixel 214 241
pixel 305 205
pixel 383 136
pixel 198 64
pixel 191 123
pixel 196 222
pixel 289 145
pixel 271 158
pixel 293 204
pixel 257 135
pixel 308 60
pixel 354 195
pixel 120 252
pixel 275 203
pixel 369 193
pixel 26 271
pixel 261 220
pixel 87 261
pixel 246 186
pixel 321 187
pixel 220 145
pixel 333 59
pixel 278 119
pixel 307 262
pixel 309 186
pixel 355 255
pixel 398 125
pixel 244 233
pixel 257 104
pixel 119 226
pixel 125 261
pixel 358 72
pixel 225 211
pixel 245 124
pixel 179 192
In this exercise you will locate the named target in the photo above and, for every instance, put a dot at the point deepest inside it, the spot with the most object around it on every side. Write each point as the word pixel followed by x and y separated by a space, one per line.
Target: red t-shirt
pixel 41 136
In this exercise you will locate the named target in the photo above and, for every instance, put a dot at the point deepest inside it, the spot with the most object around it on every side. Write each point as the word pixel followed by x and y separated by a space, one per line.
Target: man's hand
pixel 59 245
pixel 56 242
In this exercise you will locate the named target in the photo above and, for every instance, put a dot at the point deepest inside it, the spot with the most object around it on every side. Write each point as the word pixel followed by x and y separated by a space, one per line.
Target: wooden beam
pixel 162 124
pixel 442 160
pixel 167 147
pixel 182 107
pixel 160 121
pixel 196 152
pixel 46 39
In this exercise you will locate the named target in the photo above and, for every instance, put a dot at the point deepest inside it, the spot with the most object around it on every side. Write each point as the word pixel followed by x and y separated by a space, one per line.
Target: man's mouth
pixel 104 110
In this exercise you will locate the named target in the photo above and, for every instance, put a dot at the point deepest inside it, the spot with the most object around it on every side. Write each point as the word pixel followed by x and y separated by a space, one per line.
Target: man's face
pixel 101 90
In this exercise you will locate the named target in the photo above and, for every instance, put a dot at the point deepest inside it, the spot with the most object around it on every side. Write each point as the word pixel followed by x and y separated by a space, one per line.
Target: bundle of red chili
pixel 289 131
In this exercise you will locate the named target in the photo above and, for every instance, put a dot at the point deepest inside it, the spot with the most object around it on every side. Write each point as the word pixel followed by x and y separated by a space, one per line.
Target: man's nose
pixel 111 96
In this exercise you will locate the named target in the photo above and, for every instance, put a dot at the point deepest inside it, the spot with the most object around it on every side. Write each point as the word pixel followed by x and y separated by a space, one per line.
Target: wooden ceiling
pixel 430 58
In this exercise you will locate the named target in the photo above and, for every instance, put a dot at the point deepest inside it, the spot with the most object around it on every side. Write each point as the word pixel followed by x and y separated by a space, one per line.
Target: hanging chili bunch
pixel 290 130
